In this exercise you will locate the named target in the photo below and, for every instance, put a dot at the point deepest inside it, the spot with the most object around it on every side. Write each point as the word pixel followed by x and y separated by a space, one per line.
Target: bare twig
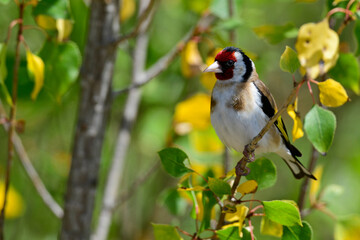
pixel 164 62
pixel 31 172
pixel 12 120
pixel 305 184
pixel 232 34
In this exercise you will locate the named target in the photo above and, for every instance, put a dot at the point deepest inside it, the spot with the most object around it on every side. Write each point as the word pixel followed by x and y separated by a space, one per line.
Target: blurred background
pixel 49 131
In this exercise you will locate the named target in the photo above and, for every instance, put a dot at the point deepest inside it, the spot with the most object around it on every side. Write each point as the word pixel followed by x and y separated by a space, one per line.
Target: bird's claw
pixel 241 172
pixel 248 154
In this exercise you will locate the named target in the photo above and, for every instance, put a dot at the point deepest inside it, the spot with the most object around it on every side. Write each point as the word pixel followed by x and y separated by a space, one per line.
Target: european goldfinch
pixel 241 105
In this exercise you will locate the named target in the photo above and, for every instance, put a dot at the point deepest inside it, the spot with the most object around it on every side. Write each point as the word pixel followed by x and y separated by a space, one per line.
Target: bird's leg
pixel 241 169
pixel 249 154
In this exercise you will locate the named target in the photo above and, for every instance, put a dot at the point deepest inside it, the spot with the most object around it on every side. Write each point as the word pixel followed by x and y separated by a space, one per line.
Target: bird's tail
pixel 296 167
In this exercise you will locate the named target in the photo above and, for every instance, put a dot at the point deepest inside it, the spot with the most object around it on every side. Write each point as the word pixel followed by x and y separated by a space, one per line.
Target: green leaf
pixel 271 228
pixel 320 127
pixel 263 171
pixel 346 71
pixel 62 64
pixel 231 233
pixel 229 24
pixel 297 232
pixel 275 34
pixel 57 9
pixel 208 202
pixel 165 232
pixel 220 8
pixel 4 93
pixel 348 228
pixel 289 61
pixel 219 187
pixel 283 212
pixel 172 160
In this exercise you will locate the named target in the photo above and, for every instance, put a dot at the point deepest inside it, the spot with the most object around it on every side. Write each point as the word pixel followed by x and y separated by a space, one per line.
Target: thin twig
pixel 305 184
pixel 12 120
pixel 164 62
pixel 231 15
pixel 31 172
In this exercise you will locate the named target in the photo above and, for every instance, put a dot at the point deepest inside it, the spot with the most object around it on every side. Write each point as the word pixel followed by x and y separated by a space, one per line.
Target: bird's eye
pixel 230 63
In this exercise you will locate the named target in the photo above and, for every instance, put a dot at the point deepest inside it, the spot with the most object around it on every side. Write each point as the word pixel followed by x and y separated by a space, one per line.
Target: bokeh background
pixel 49 132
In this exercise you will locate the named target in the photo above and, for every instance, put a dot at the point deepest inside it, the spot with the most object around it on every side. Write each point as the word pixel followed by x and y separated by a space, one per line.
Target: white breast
pixel 237 128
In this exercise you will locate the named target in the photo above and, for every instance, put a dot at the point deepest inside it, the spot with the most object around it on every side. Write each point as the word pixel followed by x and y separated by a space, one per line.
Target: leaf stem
pixel 12 120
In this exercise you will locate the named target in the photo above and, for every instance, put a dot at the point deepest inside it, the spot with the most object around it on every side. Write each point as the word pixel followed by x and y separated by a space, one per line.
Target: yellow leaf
pixel 191 59
pixel 348 228
pixel 206 141
pixel 208 79
pixel 230 173
pixel 271 228
pixel 297 131
pixel 317 46
pixel 332 93
pixel 336 2
pixel 14 205
pixel 127 9
pixel 239 217
pixel 196 188
pixel 35 66
pixel 247 187
pixel 193 113
pixel 200 206
pixel 315 184
pixel 64 27
pixel 46 22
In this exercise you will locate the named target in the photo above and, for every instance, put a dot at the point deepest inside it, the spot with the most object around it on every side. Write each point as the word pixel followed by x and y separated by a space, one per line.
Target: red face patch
pixel 222 58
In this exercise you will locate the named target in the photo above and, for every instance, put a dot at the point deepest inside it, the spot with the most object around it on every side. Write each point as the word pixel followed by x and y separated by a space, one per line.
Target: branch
pixel 163 63
pixel 31 172
pixel 305 184
pixel 240 168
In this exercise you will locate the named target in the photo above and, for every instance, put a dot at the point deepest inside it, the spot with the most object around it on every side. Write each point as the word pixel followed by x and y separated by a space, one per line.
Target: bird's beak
pixel 215 67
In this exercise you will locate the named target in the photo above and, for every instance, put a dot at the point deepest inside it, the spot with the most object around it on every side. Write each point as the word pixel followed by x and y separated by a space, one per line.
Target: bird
pixel 241 105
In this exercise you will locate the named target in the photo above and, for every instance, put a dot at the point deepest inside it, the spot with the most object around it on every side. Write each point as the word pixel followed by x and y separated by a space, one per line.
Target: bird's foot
pixel 242 172
pixel 248 154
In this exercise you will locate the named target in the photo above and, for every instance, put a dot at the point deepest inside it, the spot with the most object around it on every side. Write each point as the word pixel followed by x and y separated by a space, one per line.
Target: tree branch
pixel 164 62
pixel 31 172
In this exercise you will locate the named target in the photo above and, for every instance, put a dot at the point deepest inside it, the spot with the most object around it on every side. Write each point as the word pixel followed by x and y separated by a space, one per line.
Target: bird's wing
pixel 269 108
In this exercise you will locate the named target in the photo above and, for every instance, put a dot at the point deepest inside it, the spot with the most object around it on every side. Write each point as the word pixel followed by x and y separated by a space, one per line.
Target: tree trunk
pixel 95 101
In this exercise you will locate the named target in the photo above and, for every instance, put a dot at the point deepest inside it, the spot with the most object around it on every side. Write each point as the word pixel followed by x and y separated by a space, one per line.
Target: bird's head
pixel 231 64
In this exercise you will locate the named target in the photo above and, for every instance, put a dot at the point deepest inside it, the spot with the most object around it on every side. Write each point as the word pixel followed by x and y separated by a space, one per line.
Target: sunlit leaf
pixel 191 59
pixel 274 33
pixel 332 93
pixel 165 232
pixel 298 232
pixel 289 61
pixel 127 9
pixel 64 27
pixel 35 67
pixel 317 46
pixel 237 218
pixel 315 184
pixel 282 211
pixel 263 171
pixel 320 127
pixel 4 1
pixel 172 160
pixel 219 187
pixel 348 228
pixel 15 203
pixel 247 187
pixel 297 131
pixel 268 227
pixel 206 141
pixel 346 71
pixel 192 113
pixel 196 188
pixel 208 79
pixel 45 22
